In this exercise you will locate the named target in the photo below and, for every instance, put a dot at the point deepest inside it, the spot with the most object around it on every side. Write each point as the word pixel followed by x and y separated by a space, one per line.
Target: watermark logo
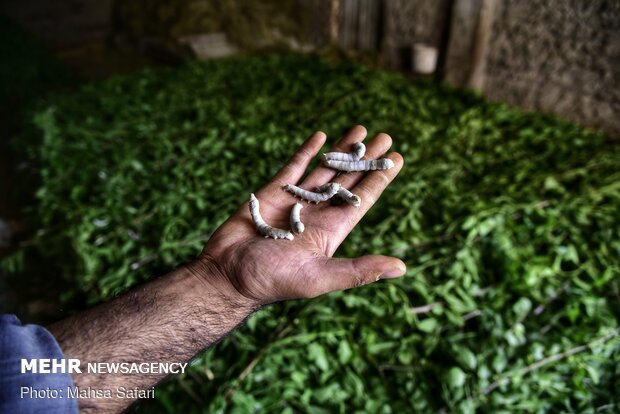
pixel 51 366
pixel 72 366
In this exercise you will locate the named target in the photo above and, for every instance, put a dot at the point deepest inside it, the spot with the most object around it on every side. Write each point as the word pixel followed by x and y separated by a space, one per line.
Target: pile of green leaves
pixel 508 222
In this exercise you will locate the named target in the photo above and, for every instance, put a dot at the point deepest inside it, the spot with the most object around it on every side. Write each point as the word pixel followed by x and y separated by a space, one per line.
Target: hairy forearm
pixel 170 319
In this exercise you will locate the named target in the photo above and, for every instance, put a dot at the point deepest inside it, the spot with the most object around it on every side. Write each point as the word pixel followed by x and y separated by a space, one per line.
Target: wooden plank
pixel 481 44
pixel 462 34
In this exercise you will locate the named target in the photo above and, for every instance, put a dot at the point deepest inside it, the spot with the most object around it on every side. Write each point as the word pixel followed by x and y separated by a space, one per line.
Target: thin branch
pixel 471 315
pixel 550 359
pixel 417 310
pixel 189 391
pixel 248 369
pixel 399 368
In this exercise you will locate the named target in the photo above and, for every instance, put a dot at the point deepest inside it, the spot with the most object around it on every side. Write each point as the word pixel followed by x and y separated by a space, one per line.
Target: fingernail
pixel 391 274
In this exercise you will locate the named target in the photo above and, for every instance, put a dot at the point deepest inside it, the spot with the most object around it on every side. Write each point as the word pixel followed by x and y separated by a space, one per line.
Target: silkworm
pixel 359 149
pixel 349 197
pixel 264 228
pixel 344 194
pixel 312 197
pixel 361 165
pixel 296 225
pixel 324 187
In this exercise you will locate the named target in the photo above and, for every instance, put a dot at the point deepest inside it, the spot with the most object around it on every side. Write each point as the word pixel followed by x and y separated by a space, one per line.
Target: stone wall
pixel 407 22
pixel 560 57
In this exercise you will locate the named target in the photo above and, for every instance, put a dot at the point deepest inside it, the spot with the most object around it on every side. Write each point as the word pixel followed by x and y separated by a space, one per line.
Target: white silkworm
pixel 296 225
pixel 359 149
pixel 361 165
pixel 349 197
pixel 330 190
pixel 344 194
pixel 324 187
pixel 264 228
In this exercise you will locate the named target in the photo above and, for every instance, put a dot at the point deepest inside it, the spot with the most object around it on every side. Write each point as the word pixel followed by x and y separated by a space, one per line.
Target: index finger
pixel 295 168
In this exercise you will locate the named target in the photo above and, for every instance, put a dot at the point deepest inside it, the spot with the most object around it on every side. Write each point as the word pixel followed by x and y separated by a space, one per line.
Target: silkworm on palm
pixel 361 165
pixel 330 190
pixel 349 197
pixel 343 194
pixel 324 187
pixel 296 225
pixel 264 228
pixel 359 149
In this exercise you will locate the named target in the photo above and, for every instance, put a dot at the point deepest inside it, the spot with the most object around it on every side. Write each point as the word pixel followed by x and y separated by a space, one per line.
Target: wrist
pixel 213 280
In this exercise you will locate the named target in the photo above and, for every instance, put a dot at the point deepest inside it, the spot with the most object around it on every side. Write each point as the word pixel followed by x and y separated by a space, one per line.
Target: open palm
pixel 266 270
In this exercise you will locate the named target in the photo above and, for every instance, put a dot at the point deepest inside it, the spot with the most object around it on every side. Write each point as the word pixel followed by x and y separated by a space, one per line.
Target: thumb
pixel 340 274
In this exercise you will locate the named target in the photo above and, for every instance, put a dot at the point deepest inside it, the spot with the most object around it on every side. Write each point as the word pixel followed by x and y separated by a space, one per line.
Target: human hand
pixel 263 271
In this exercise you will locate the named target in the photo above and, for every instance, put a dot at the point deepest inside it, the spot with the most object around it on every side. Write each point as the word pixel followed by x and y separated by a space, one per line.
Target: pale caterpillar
pixel 324 187
pixel 296 225
pixel 330 190
pixel 359 149
pixel 361 165
pixel 264 228
pixel 349 197
pixel 344 194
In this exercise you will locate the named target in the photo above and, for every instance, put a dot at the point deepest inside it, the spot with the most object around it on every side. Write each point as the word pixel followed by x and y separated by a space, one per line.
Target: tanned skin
pixel 177 316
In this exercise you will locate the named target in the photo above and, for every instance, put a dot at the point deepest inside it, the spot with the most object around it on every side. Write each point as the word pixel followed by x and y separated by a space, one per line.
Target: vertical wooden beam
pixel 444 40
pixel 481 44
pixel 362 25
pixel 334 21
pixel 457 63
